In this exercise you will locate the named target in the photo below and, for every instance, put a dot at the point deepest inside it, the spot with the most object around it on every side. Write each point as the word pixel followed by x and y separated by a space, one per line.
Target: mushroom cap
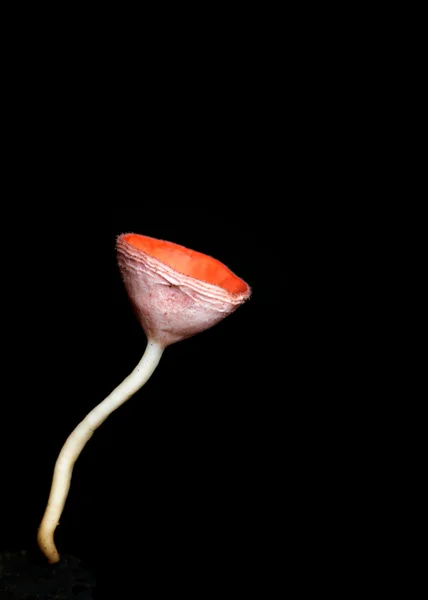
pixel 176 292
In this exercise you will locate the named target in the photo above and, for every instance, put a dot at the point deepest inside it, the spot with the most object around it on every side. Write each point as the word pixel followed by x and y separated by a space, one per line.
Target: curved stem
pixel 77 440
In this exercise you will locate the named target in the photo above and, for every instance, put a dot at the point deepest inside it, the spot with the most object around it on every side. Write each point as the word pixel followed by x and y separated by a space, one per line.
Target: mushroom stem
pixel 77 440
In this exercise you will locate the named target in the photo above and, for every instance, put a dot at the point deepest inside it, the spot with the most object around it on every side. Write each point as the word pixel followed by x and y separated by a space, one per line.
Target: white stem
pixel 77 440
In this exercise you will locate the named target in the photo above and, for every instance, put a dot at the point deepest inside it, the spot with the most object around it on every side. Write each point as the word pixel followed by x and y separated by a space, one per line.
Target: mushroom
pixel 175 293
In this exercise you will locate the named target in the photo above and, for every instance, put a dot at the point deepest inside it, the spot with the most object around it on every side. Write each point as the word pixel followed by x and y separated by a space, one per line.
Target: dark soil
pixel 24 575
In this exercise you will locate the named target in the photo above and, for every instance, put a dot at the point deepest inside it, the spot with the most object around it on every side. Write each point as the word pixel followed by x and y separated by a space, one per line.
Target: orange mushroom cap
pixel 176 292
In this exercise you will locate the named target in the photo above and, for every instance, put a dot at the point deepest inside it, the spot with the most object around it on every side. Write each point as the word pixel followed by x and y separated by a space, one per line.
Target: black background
pixel 204 471
pixel 222 464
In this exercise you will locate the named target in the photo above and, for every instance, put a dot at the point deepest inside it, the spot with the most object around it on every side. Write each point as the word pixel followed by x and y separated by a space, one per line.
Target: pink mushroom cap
pixel 176 292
